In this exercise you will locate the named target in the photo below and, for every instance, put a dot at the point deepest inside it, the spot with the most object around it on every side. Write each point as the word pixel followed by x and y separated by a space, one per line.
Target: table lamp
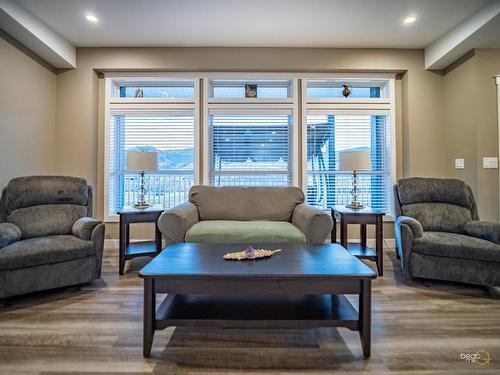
pixel 355 161
pixel 142 162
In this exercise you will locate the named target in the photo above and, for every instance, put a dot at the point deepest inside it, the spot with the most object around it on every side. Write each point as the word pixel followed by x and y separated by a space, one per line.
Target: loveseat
pixel 250 215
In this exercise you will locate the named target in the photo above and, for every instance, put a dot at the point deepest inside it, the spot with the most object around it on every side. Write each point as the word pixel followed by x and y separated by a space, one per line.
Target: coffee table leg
pixel 364 317
pixel 149 317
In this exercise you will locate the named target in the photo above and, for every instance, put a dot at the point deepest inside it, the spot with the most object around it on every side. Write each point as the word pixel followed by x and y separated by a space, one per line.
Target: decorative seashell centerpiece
pixel 250 253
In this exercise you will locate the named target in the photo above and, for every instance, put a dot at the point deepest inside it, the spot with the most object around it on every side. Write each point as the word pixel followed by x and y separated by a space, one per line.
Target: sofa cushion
pixel 442 217
pixel 44 250
pixel 247 232
pixel 30 191
pixel 453 245
pixel 46 220
pixel 245 203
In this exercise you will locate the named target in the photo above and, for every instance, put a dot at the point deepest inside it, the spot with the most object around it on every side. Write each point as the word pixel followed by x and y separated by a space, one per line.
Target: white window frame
pixel 384 105
pixel 116 105
pixel 250 106
pixel 202 104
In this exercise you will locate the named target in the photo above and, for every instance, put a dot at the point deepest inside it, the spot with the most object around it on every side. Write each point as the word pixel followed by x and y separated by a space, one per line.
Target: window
pixel 256 130
pixel 155 88
pixel 156 92
pixel 235 89
pixel 327 88
pixel 335 124
pixel 250 149
pixel 250 139
pixel 150 125
pixel 327 135
pixel 172 136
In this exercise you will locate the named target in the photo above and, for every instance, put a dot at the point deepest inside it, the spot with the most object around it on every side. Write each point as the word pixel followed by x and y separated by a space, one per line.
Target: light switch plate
pixel 459 163
pixel 490 162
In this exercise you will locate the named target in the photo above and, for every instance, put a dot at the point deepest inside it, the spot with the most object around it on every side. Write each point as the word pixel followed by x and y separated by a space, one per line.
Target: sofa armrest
pixel 406 229
pixel 414 225
pixel 9 233
pixel 483 229
pixel 97 237
pixel 313 222
pixel 174 223
pixel 90 229
pixel 83 227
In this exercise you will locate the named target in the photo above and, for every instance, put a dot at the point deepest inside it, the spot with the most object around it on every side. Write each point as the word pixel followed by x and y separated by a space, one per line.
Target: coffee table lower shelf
pixel 255 311
pixel 275 311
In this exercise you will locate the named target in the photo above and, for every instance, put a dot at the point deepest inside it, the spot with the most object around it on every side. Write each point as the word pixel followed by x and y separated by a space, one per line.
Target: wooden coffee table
pixel 302 286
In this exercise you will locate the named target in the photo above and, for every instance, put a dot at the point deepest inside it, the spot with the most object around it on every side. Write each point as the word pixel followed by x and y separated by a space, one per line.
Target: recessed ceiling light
pixel 409 20
pixel 91 18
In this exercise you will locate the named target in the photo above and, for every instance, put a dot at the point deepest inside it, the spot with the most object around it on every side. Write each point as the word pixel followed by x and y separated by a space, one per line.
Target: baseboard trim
pixel 113 243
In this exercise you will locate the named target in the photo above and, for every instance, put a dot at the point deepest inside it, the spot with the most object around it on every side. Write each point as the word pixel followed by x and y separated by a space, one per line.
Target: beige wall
pixel 459 94
pixel 27 115
pixel 78 135
pixel 472 127
pixel 488 65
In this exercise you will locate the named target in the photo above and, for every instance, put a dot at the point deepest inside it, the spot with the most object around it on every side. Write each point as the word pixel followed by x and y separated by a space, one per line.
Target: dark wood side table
pixel 363 217
pixel 128 215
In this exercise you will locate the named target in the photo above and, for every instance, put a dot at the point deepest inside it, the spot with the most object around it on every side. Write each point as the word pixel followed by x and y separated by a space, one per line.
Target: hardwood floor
pixel 418 328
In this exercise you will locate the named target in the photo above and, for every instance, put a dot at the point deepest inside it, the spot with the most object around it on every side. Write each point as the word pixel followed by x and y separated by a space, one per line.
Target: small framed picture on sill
pixel 250 91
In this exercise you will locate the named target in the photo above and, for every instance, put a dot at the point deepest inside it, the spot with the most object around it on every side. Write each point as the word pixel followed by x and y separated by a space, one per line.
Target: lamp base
pixel 355 206
pixel 142 205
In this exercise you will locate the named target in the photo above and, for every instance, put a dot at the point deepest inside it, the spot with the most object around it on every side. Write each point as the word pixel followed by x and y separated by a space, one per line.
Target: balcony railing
pixel 325 189
pixel 247 180
pixel 166 188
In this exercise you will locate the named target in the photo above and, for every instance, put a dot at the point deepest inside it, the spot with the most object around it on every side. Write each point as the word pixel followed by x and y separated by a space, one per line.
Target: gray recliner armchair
pixel 439 235
pixel 47 236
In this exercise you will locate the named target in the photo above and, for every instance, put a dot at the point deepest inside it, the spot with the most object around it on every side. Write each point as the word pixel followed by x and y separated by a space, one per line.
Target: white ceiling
pixel 263 23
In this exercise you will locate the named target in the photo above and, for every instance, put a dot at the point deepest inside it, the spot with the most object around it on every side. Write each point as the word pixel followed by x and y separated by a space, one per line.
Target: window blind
pixel 327 135
pixel 250 149
pixel 171 135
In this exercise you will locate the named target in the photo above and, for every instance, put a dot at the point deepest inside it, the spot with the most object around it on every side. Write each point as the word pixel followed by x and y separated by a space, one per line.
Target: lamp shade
pixel 355 160
pixel 142 161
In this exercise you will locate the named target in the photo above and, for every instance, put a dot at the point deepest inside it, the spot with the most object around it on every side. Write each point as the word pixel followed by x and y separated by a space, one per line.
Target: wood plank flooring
pixel 418 328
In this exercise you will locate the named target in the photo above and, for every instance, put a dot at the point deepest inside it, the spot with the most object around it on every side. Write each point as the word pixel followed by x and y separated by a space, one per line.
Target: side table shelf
pixel 141 248
pixel 361 251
